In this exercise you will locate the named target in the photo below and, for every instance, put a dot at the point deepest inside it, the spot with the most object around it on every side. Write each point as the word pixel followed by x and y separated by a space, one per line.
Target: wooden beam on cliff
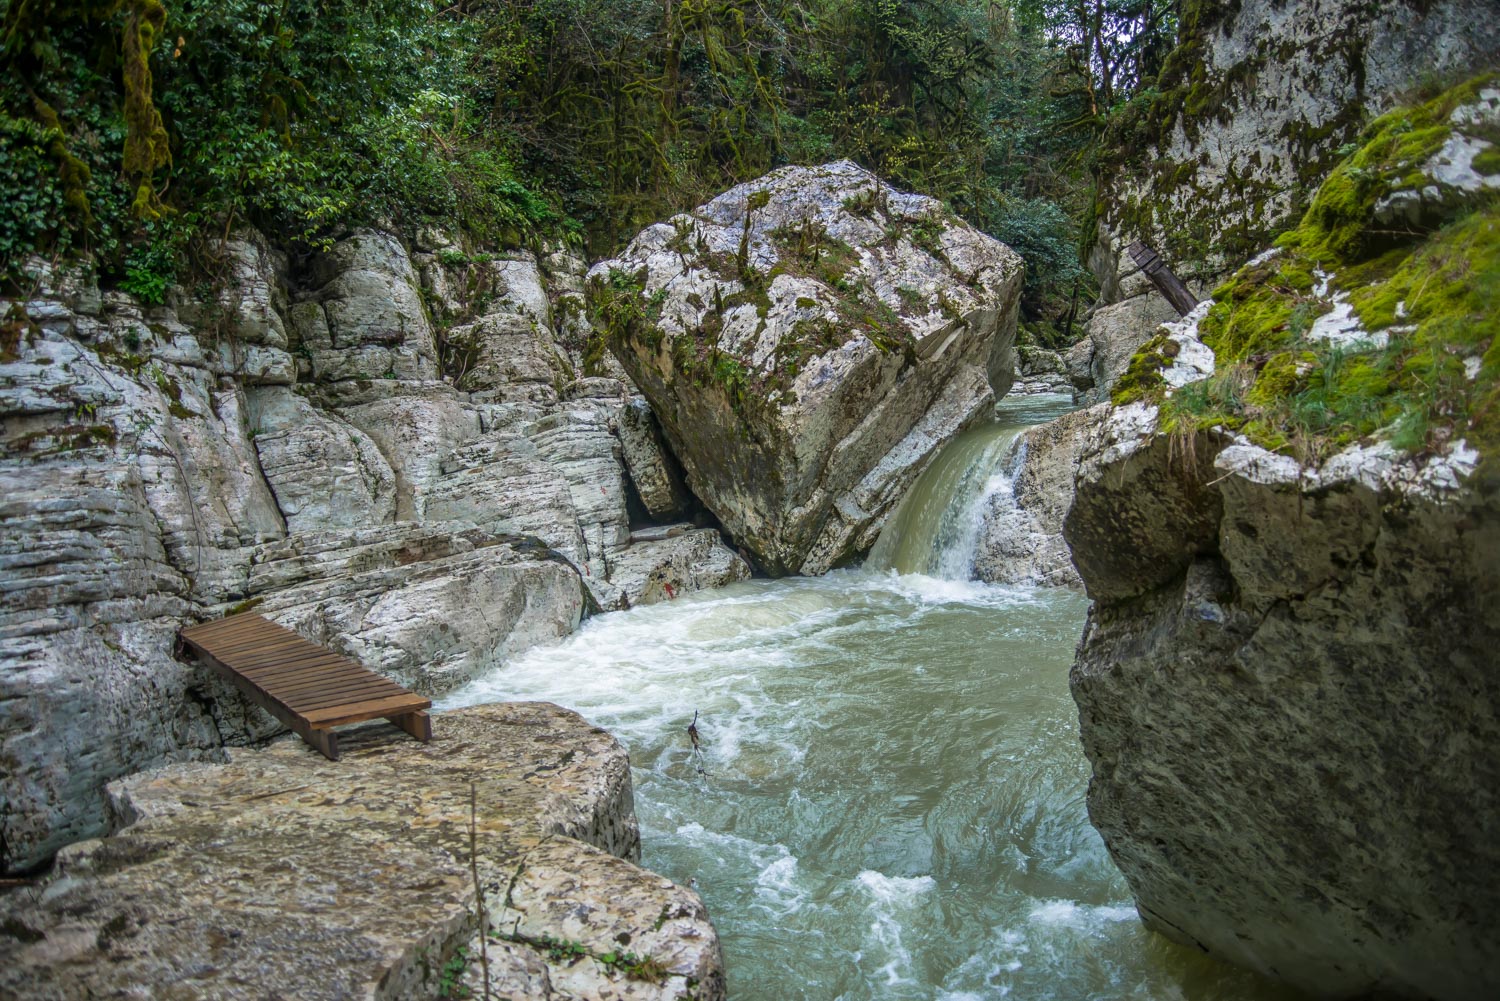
pixel 1161 276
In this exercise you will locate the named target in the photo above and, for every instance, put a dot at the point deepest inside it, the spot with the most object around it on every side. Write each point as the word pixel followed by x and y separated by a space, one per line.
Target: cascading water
pixel 936 528
pixel 937 525
pixel 891 796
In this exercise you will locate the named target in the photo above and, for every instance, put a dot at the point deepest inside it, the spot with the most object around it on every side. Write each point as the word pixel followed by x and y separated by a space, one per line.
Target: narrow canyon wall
pixel 1249 116
pixel 1289 524
pixel 393 449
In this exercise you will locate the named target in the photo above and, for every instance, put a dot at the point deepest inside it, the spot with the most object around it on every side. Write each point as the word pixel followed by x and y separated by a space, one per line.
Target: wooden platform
pixel 308 687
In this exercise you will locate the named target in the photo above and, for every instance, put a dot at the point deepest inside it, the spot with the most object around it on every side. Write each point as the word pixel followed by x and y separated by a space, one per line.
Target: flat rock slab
pixel 284 875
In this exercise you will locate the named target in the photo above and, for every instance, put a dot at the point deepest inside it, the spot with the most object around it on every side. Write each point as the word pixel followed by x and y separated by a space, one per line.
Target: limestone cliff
pixel 1250 114
pixel 368 445
pixel 1289 526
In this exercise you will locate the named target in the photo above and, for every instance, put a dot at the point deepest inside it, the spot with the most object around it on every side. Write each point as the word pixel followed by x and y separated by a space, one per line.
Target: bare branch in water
pixel 694 736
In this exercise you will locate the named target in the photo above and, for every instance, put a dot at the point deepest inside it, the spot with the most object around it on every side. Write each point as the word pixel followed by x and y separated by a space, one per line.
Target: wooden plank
pixel 357 712
pixel 284 668
pixel 307 687
pixel 1168 284
pixel 283 658
pixel 308 681
pixel 418 724
pixel 308 653
pixel 292 680
pixel 252 648
pixel 335 683
pixel 254 626
pixel 321 698
pixel 294 722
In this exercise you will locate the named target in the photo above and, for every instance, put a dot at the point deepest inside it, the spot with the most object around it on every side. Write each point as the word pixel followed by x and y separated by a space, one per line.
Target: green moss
pixel 1283 374
pixel 1142 379
pixel 927 232
pixel 617 306
pixel 1437 305
pixel 1488 161
pixel 244 606
pixel 809 251
pixel 67 438
pixel 1435 295
pixel 1259 309
pixel 1337 226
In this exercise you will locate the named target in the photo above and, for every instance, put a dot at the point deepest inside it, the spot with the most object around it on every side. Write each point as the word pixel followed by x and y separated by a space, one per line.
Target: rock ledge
pixel 281 874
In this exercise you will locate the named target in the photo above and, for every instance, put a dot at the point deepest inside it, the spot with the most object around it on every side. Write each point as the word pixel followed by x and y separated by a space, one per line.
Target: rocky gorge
pixel 448 461
pixel 1293 582
pixel 369 446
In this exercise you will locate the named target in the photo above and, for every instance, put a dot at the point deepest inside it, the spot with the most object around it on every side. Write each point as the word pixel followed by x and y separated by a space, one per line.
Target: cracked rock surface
pixel 282 874
pixel 809 341
pixel 386 449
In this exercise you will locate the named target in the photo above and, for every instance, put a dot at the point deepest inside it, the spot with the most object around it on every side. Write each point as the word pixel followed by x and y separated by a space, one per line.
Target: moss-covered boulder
pixel 808 340
pixel 1290 527
pixel 1251 110
pixel 1375 318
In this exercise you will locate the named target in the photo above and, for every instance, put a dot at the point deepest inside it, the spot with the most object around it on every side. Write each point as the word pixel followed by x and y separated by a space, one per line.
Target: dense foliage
pixel 133 128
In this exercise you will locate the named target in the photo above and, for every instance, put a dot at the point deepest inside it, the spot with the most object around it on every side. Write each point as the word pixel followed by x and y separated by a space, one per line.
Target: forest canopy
pixel 137 130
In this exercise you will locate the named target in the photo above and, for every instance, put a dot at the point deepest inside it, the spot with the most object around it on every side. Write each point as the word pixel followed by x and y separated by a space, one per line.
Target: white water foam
pixel 890 898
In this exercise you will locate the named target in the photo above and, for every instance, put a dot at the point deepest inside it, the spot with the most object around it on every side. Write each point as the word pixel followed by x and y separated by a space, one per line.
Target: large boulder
pixel 366 877
pixel 807 341
pixel 401 599
pixel 1115 333
pixel 1286 689
pixel 1290 527
pixel 362 316
pixel 324 472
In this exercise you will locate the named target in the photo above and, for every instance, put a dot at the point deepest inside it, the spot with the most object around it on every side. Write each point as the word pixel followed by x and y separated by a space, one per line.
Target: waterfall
pixel 936 529
pixel 965 500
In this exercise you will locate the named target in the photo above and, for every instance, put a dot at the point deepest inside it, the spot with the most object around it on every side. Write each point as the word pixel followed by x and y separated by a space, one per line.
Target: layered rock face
pixel 1254 108
pixel 1286 689
pixel 1249 116
pixel 281 872
pixel 807 341
pixel 386 450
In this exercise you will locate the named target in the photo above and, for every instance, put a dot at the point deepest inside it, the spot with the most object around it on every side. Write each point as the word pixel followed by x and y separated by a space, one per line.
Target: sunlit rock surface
pixel 283 874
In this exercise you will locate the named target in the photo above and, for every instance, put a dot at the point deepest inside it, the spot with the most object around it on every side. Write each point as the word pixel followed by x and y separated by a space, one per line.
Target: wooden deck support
pixel 305 686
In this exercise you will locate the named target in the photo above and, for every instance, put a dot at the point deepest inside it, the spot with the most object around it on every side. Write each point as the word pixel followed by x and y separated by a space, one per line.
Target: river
pixel 889 799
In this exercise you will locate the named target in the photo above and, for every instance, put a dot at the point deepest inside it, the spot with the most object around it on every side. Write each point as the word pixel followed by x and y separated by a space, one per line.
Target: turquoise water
pixel 889 803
